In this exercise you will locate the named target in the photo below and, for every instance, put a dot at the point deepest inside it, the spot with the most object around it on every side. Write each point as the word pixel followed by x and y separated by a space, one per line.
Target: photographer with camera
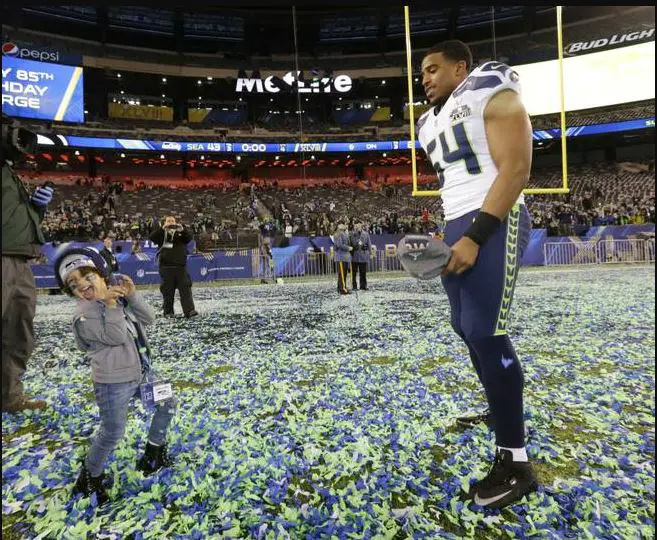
pixel 172 239
pixel 22 213
pixel 360 256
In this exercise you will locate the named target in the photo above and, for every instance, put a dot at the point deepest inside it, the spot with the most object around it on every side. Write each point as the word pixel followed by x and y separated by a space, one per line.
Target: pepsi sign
pixel 40 54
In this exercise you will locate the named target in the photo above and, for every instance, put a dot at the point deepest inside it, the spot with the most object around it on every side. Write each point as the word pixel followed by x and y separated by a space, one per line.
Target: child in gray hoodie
pixel 108 325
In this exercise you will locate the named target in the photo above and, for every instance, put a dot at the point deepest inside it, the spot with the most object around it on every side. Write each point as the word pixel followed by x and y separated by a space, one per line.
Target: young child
pixel 108 325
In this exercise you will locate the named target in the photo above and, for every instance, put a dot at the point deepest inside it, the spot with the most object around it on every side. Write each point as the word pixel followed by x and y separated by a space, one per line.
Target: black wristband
pixel 483 228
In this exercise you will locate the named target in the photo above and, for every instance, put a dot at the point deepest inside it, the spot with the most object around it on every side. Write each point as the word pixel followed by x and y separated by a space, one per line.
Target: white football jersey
pixel 454 139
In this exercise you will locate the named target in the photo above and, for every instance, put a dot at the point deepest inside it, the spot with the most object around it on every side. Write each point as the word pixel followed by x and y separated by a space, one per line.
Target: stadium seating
pixel 221 207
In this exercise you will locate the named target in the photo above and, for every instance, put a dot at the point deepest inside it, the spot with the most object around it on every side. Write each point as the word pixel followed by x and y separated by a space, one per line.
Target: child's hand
pixel 128 285
pixel 113 294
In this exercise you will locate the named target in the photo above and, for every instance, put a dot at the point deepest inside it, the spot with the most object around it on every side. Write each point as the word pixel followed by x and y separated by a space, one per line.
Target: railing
pixel 318 264
pixel 233 239
pixel 599 251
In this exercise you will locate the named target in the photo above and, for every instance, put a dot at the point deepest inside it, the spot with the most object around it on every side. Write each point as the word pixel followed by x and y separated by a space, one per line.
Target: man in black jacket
pixel 172 240
pixel 22 213
pixel 107 254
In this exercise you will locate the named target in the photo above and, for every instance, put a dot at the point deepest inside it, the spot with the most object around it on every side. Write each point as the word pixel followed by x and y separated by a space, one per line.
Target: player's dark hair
pixel 455 50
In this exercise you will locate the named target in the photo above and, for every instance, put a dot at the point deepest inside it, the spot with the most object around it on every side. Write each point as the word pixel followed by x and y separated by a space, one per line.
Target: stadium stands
pixel 221 207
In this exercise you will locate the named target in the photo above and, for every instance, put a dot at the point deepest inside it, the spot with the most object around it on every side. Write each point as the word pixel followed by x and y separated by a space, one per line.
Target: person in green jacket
pixel 22 213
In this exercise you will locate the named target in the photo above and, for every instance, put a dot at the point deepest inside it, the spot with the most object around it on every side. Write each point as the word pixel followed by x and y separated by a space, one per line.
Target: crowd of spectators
pixel 91 209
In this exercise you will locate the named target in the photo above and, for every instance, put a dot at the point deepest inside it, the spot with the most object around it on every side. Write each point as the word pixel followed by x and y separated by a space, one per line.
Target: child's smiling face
pixel 86 284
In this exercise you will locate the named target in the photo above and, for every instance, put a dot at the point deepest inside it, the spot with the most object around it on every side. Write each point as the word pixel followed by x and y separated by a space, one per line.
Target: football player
pixel 478 136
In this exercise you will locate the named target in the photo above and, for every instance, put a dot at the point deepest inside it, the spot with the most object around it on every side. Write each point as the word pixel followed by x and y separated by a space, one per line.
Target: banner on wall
pixel 314 147
pixel 140 112
pixel 27 51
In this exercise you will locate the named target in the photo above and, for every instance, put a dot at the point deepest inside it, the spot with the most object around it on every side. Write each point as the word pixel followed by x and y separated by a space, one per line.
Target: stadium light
pixel 77 152
pixel 164 79
pixel 122 155
pixel 161 156
pixel 118 75
pixel 122 92
pixel 239 158
pixel 383 81
pixel 164 95
pixel 385 155
pixel 209 78
pixel 202 158
pixel 199 82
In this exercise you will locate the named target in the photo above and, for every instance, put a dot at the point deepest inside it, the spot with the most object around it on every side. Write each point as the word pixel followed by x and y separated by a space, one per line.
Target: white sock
pixel 519 454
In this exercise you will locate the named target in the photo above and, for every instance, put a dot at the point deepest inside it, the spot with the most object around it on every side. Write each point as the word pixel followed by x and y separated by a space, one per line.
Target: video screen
pixel 42 91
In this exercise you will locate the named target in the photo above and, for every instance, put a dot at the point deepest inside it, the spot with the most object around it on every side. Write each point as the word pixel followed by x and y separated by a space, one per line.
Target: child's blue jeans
pixel 113 401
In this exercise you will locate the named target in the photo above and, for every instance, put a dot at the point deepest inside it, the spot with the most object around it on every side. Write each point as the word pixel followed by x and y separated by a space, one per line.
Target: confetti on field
pixel 307 415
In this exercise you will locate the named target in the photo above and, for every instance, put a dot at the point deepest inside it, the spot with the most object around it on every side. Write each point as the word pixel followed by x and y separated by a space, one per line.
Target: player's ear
pixel 461 68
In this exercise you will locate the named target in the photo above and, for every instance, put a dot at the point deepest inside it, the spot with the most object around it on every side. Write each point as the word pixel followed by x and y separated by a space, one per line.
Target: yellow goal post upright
pixel 411 116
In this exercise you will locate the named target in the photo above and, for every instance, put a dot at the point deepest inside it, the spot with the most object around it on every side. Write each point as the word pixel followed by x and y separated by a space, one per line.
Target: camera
pixel 16 141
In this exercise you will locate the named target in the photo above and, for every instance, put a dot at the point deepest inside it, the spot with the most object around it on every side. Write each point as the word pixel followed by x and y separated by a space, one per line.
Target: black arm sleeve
pixel 185 236
pixel 157 236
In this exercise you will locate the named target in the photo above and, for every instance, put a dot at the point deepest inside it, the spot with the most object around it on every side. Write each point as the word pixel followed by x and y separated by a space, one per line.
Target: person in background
pixel 135 247
pixel 342 257
pixel 360 242
pixel 172 239
pixel 22 213
pixel 266 260
pixel 107 254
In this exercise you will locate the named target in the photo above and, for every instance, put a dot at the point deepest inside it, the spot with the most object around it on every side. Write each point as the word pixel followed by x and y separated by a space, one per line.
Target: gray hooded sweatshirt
pixel 107 336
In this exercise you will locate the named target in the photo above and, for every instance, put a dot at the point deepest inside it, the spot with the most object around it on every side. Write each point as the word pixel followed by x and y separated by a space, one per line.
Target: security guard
pixel 360 242
pixel 342 257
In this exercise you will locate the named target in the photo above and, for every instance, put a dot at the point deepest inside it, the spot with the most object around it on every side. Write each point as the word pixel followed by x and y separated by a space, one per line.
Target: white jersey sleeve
pixel 486 81
pixel 454 139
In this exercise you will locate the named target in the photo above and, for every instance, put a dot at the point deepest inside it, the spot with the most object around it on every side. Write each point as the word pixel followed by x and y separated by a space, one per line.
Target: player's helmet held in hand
pixel 423 256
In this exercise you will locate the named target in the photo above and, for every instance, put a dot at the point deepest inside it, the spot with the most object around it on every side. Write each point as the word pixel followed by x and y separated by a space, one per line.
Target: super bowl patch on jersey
pixel 459 113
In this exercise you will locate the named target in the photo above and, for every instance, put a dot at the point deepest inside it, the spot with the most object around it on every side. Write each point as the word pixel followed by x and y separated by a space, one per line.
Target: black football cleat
pixel 506 483
pixel 466 422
